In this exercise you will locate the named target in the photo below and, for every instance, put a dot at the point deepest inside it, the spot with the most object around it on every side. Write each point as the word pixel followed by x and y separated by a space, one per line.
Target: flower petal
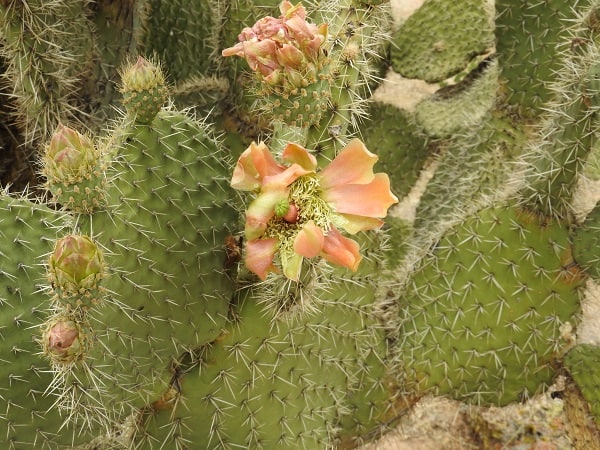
pixel 353 224
pixel 294 153
pixel 261 210
pixel 341 251
pixel 353 165
pixel 259 256
pixel 369 200
pixel 284 178
pixel 255 163
pixel 292 264
pixel 309 241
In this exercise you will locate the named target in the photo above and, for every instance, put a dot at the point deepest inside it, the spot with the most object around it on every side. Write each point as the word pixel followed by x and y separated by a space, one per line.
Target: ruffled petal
pixel 341 251
pixel 260 211
pixel 236 50
pixel 369 200
pixel 294 153
pixel 353 165
pixel 309 241
pixel 259 256
pixel 284 178
pixel 353 224
pixel 254 164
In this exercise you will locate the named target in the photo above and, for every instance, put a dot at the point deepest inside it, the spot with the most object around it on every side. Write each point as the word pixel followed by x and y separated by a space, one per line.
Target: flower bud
pixel 63 340
pixel 142 75
pixel 74 171
pixel 69 154
pixel 76 264
pixel 144 90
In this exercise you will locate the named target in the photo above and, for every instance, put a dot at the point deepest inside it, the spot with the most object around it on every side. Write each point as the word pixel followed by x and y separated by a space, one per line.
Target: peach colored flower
pixel 299 211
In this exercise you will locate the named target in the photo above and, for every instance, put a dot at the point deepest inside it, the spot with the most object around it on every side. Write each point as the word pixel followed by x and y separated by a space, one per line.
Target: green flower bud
pixel 142 75
pixel 69 156
pixel 144 90
pixel 76 264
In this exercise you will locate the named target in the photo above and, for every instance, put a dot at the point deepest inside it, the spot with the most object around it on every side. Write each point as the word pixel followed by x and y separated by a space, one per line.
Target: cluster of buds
pixel 75 269
pixel 283 51
pixel 299 211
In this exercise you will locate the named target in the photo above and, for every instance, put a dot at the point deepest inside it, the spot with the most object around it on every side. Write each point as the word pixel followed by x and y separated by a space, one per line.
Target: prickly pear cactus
pixel 148 303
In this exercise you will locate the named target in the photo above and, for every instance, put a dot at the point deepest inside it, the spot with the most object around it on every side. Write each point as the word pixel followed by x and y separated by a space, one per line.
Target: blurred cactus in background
pixel 201 242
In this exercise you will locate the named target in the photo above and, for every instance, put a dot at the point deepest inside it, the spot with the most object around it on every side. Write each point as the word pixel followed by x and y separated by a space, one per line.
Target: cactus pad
pixel 482 318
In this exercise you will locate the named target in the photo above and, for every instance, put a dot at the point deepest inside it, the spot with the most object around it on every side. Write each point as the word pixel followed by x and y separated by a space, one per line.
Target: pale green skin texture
pixel 475 156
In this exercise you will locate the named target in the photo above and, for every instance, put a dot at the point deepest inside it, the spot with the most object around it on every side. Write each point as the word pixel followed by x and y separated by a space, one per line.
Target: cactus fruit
pixel 482 318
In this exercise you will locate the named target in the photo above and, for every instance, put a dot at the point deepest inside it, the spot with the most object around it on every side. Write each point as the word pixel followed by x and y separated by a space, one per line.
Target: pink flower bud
pixel 64 340
pixel 62 336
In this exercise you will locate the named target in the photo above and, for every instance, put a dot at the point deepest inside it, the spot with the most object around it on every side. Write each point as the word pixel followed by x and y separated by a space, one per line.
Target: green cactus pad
pixel 586 242
pixel 481 320
pixel 25 420
pixel 163 235
pixel 528 44
pixel 583 362
pixel 440 38
pixel 455 109
pixel 300 381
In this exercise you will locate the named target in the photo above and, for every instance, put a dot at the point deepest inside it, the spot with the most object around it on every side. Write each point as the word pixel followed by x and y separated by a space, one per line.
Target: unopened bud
pixel 144 89
pixel 64 341
pixel 76 264
pixel 69 155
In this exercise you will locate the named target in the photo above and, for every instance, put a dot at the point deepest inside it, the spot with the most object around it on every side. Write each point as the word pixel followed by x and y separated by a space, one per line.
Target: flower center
pixel 305 195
